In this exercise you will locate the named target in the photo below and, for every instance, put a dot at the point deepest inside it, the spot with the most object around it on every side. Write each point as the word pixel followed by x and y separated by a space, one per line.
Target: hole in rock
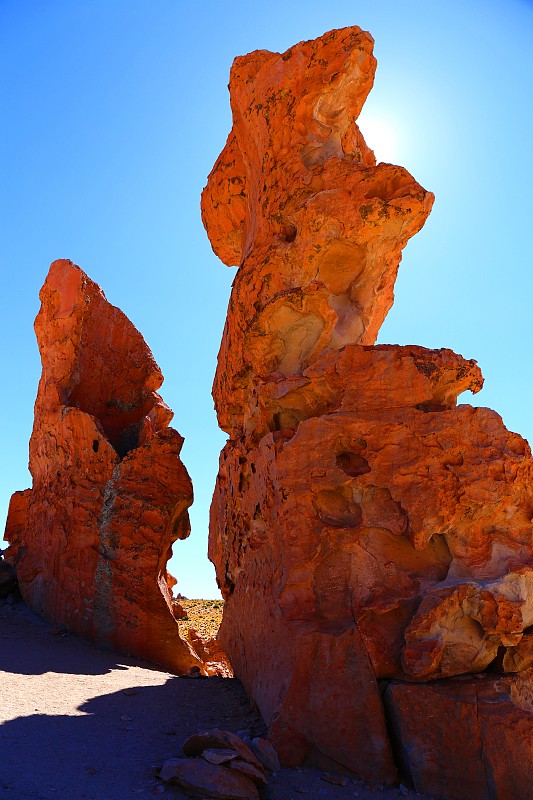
pixel 429 406
pixel 336 507
pixel 289 232
pixel 283 435
pixel 496 665
pixel 353 464
pixel 244 481
pixel 127 440
pixel 119 419
pixel 229 585
pixel 96 445
pixel 181 527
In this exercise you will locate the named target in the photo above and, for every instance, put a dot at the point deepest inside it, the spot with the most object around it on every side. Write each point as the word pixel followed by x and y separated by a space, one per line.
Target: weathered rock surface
pixel 110 494
pixel 466 738
pixel 297 201
pixel 364 527
pixel 211 653
pixel 367 515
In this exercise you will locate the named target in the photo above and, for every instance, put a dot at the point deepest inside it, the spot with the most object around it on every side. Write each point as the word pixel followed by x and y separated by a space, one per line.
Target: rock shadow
pixel 52 650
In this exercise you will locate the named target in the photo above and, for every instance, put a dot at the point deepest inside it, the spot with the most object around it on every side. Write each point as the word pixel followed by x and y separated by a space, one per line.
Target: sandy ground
pixel 80 723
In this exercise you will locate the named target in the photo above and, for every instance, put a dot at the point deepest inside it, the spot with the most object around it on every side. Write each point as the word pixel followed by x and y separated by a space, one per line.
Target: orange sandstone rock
pixel 296 200
pixel 364 528
pixel 469 738
pixel 210 652
pixel 17 517
pixel 361 517
pixel 110 494
pixel 358 378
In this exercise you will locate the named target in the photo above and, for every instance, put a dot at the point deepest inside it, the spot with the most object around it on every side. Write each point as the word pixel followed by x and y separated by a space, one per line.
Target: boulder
pixel 199 778
pixel 218 739
pixel 211 653
pixel 466 738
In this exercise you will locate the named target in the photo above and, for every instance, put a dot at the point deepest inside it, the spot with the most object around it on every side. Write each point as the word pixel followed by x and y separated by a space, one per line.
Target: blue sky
pixel 113 113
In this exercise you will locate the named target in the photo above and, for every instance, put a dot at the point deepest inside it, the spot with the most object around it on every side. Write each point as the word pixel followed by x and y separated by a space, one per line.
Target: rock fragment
pixel 219 762
pixel 266 753
pixel 201 779
pixel 218 755
pixel 337 780
pixel 220 739
pixel 257 775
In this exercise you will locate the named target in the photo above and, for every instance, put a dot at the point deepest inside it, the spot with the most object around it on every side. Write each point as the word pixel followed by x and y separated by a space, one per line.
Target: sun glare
pixel 381 136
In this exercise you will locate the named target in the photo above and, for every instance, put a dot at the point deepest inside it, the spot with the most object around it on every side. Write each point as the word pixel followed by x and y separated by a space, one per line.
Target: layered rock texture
pixel 370 536
pixel 91 539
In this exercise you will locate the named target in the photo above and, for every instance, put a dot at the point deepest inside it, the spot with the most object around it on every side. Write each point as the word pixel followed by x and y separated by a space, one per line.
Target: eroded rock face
pixel 297 202
pixel 110 494
pixel 466 738
pixel 364 527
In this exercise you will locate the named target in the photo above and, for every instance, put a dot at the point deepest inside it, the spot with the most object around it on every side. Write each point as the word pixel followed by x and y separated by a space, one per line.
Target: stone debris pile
pixel 220 764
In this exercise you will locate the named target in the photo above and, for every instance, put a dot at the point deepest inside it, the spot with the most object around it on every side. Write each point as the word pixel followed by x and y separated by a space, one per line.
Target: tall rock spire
pixel 367 532
pixel 92 538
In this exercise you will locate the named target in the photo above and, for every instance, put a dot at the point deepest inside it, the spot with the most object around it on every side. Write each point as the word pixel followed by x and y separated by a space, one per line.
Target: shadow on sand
pixel 64 735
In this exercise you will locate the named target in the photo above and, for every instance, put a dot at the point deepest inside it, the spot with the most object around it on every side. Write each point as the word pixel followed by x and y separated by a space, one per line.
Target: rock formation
pixel 369 535
pixel 92 538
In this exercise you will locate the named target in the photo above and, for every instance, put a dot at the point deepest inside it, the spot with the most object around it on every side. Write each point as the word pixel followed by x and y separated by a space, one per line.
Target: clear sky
pixel 112 115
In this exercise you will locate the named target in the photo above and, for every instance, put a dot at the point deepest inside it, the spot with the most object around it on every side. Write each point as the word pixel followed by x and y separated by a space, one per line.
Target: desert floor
pixel 81 723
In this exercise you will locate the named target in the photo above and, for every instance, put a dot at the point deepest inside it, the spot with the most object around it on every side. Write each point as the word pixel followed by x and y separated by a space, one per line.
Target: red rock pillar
pixel 92 538
pixel 364 528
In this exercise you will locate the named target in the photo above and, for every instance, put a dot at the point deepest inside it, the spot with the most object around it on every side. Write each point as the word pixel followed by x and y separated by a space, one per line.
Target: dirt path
pixel 80 723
